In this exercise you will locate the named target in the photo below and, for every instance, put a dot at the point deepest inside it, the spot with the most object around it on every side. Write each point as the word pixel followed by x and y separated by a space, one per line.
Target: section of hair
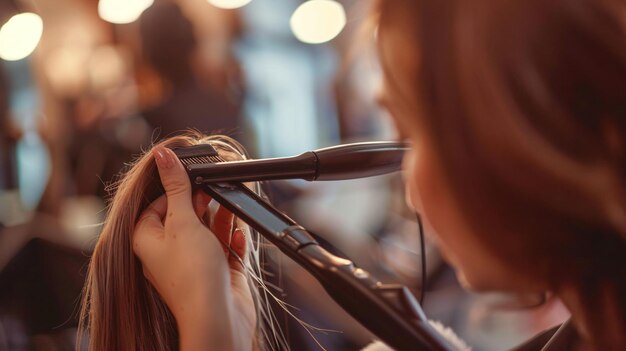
pixel 120 308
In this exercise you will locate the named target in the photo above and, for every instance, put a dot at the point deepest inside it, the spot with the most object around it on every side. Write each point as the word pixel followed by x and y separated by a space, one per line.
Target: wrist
pixel 205 325
pixel 191 295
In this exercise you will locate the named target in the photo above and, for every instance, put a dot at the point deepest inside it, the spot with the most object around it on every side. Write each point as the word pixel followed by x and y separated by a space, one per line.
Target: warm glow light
pixel 65 68
pixel 318 21
pixel 20 35
pixel 106 67
pixel 122 11
pixel 228 4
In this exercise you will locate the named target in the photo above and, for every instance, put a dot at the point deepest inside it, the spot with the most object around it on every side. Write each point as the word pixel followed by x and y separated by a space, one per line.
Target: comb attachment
pixel 197 154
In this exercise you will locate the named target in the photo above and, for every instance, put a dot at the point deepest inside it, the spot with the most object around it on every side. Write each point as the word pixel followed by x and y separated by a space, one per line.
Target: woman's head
pixel 517 111
pixel 121 309
pixel 168 41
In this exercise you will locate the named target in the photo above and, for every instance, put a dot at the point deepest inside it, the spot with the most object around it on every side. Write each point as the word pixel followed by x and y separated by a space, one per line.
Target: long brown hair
pixel 524 104
pixel 120 309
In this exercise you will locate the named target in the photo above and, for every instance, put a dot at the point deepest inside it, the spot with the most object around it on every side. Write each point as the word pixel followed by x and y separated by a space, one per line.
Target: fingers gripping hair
pixel 120 309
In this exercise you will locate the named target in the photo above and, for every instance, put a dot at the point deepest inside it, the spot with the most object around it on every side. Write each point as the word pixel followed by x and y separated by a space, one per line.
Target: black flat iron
pixel 389 311
pixel 342 162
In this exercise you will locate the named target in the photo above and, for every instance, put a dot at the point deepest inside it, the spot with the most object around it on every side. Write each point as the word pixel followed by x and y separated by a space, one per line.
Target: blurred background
pixel 86 85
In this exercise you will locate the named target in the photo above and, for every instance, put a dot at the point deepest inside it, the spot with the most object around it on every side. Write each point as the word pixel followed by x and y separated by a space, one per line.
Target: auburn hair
pixel 524 104
pixel 120 309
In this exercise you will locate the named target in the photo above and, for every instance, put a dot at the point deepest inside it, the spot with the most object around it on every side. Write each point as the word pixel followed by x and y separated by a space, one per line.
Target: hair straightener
pixel 340 162
pixel 389 311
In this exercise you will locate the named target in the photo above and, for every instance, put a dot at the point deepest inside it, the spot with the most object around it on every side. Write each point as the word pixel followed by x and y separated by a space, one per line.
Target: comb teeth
pixel 200 160
pixel 197 154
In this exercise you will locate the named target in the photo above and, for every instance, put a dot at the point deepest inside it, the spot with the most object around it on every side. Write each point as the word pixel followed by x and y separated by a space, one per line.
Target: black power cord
pixel 423 256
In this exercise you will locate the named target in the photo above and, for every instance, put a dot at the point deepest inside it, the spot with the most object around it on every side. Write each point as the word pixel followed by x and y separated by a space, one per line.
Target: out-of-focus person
pixel 170 48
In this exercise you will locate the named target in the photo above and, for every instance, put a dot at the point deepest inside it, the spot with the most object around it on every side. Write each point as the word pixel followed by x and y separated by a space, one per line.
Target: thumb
pixel 174 180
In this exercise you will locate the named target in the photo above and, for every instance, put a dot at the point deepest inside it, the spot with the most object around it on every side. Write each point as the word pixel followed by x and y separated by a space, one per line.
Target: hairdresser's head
pixel 517 114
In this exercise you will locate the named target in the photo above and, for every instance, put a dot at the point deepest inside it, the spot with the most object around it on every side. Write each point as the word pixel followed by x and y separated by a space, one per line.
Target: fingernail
pixel 159 156
pixel 163 157
pixel 171 158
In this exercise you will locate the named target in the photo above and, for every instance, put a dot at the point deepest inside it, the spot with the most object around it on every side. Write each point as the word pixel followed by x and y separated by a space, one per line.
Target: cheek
pixel 421 195
pixel 422 186
pixel 428 194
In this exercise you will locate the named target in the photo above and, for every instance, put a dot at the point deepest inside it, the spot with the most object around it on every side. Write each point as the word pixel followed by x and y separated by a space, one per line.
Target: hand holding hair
pixel 188 264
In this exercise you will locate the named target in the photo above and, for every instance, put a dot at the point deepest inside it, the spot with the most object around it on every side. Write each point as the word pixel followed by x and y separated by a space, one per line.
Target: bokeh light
pixel 318 21
pixel 122 11
pixel 229 4
pixel 20 35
